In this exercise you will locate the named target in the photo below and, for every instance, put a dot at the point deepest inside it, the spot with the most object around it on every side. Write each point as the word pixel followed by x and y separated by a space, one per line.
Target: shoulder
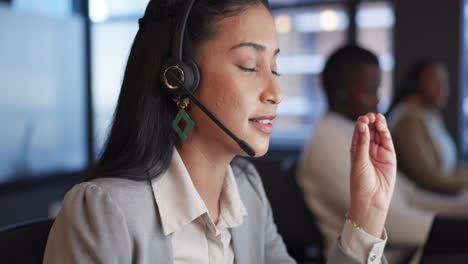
pixel 247 178
pixel 242 167
pixel 118 187
pixel 105 220
pixel 89 206
pixel 410 118
pixel 120 190
pixel 110 197
pixel 331 137
pixel 333 125
pixel 410 112
pixel 244 170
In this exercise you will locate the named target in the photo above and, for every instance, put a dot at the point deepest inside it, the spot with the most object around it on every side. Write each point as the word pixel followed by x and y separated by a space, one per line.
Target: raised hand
pixel 373 171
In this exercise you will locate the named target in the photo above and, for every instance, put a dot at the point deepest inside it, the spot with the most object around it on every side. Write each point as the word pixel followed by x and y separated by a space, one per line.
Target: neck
pixel 343 111
pixel 207 168
pixel 417 99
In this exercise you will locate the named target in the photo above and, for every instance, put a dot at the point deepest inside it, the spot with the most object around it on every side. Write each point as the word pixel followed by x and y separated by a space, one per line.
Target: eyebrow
pixel 256 46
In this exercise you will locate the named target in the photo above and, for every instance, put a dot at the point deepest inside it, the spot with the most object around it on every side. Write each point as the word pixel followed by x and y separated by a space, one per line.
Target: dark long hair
pixel 141 141
pixel 411 82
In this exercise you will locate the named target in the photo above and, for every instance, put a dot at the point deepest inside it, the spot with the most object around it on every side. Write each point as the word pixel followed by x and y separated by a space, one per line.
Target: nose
pixel 272 94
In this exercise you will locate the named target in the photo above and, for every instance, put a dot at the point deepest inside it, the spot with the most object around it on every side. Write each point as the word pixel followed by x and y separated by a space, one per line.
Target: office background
pixel 62 61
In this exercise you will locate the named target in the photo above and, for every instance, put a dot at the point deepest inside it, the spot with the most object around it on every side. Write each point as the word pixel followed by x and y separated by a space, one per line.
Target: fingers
pixel 384 133
pixel 381 122
pixel 375 125
pixel 363 128
pixel 358 129
pixel 361 139
pixel 372 117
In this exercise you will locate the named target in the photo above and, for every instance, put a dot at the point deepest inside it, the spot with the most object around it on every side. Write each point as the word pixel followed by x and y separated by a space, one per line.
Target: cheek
pixel 225 96
pixel 236 108
pixel 360 99
pixel 228 98
pixel 235 86
pixel 434 91
pixel 367 102
pixel 220 101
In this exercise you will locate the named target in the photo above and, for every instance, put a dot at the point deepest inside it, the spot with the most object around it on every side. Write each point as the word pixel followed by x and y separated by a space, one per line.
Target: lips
pixel 263 123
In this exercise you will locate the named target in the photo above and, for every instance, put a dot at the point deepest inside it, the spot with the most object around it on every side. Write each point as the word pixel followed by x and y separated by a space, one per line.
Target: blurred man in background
pixel 350 79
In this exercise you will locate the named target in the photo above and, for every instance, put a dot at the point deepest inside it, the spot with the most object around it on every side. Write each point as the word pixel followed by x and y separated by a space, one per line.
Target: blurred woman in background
pixel 426 153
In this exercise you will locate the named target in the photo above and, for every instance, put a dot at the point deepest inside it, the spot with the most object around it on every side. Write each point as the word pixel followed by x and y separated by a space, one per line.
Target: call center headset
pixel 181 77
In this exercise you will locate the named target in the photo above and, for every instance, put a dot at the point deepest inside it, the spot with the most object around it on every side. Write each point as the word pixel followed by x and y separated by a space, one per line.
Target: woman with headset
pixel 200 88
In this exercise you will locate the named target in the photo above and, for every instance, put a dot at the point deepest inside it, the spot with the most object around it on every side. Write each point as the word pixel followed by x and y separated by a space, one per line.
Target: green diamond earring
pixel 182 119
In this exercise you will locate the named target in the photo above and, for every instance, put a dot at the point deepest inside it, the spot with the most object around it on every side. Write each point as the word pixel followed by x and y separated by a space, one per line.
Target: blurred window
pixel 375 21
pixel 57 8
pixel 42 87
pixel 111 42
pixel 307 35
pixel 464 85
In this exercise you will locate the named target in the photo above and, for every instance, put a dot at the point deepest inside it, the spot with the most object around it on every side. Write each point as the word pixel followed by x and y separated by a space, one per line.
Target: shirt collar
pixel 232 209
pixel 180 204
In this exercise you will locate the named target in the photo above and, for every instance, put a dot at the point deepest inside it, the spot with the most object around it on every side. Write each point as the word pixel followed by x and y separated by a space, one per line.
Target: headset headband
pixel 179 33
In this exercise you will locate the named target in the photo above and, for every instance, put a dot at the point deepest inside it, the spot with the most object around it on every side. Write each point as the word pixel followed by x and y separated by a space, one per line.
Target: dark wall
pixel 432 28
pixel 29 200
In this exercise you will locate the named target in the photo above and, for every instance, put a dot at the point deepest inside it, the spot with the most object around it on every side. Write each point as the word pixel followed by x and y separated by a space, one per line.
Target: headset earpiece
pixel 196 74
pixel 186 72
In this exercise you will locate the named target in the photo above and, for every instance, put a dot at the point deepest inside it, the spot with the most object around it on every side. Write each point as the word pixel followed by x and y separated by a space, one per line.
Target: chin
pixel 259 142
pixel 261 149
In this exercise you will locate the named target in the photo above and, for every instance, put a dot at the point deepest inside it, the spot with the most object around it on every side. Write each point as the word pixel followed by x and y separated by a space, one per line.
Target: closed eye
pixel 247 69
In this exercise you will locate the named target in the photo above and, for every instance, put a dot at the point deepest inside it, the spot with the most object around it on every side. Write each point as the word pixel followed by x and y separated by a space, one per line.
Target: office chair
pixel 295 222
pixel 25 242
